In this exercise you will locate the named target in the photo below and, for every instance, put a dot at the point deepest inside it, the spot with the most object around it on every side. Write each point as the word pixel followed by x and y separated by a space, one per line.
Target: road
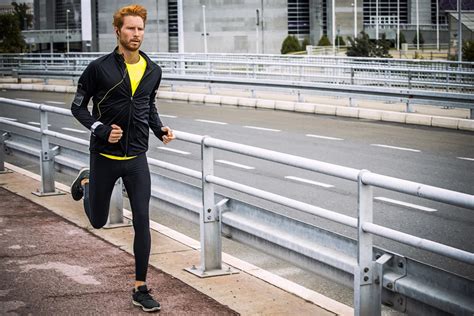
pixel 433 156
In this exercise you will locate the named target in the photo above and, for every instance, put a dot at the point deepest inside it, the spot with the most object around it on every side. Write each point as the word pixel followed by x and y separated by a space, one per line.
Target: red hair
pixel 133 10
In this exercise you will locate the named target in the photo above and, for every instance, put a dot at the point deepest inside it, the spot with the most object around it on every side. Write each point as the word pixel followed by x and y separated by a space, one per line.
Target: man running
pixel 123 86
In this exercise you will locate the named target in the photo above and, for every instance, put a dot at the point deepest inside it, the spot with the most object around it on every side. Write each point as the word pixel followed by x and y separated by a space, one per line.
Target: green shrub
pixel 290 44
pixel 324 41
pixel 468 51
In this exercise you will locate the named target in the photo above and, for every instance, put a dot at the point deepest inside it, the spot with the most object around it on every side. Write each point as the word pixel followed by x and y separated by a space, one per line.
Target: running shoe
pixel 143 299
pixel 77 190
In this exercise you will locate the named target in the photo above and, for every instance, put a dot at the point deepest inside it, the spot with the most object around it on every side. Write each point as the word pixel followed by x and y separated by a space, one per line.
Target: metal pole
pixel 180 36
pixel 67 30
pixel 3 137
pixel 366 296
pixel 115 218
pixel 398 24
pixel 204 28
pixel 355 19
pixel 377 20
pixel 334 27
pixel 459 32
pixel 437 24
pixel 256 30
pixel 263 27
pixel 417 26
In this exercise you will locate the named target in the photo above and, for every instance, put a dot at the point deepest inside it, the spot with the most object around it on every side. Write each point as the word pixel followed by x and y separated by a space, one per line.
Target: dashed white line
pixel 410 205
pixel 324 185
pixel 20 99
pixel 235 164
pixel 8 118
pixel 74 130
pixel 263 128
pixel 55 102
pixel 324 137
pixel 36 123
pixel 211 122
pixel 465 158
pixel 393 147
pixel 168 116
pixel 174 150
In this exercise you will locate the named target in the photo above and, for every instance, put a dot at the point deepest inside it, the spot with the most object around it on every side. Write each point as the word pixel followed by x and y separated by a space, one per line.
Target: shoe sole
pixel 154 309
pixel 74 183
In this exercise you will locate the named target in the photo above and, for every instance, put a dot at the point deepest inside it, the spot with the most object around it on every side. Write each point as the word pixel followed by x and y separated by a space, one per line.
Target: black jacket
pixel 106 81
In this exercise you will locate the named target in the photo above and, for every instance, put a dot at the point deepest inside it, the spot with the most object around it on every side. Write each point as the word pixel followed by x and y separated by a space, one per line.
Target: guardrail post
pixel 365 289
pixel 115 218
pixel 209 222
pixel 48 187
pixel 3 148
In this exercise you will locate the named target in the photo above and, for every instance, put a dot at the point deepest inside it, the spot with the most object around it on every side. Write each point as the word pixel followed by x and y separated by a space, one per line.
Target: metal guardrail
pixel 376 275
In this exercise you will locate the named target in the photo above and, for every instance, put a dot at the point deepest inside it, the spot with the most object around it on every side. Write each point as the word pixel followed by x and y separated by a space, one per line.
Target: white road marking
pixel 263 128
pixel 20 99
pixel 74 130
pixel 465 158
pixel 55 102
pixel 235 164
pixel 168 116
pixel 393 147
pixel 174 150
pixel 324 137
pixel 324 185
pixel 211 122
pixel 36 123
pixel 8 118
pixel 410 205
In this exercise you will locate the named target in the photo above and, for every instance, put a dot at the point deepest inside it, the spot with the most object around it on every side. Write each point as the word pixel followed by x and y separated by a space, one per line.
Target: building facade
pixel 242 26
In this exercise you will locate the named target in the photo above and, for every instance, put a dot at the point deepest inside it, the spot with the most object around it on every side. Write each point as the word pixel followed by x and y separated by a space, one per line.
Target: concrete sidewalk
pixel 59 265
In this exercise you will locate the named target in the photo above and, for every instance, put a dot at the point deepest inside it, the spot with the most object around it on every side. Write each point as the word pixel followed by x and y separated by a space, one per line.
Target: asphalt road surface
pixel 433 156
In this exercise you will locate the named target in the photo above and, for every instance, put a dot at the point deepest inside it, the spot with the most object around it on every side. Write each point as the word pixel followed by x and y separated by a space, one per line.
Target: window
pixel 298 18
pixel 173 25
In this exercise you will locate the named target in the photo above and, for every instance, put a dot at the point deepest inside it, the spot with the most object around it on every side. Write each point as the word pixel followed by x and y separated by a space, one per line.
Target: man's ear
pixel 117 32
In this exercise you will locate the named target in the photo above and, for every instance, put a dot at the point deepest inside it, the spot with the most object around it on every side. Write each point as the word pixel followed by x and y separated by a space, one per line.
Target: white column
pixel 257 24
pixel 377 20
pixel 355 19
pixel 398 24
pixel 204 28
pixel 437 24
pixel 180 27
pixel 417 26
pixel 334 27
pixel 67 30
pixel 459 32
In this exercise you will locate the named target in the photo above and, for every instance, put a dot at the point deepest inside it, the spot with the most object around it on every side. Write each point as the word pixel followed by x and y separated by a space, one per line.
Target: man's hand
pixel 115 134
pixel 169 135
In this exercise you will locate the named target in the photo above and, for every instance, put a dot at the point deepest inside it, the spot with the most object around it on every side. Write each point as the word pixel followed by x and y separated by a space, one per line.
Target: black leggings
pixel 135 174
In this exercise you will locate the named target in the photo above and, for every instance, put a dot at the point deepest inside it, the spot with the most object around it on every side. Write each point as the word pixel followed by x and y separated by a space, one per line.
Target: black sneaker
pixel 143 299
pixel 77 191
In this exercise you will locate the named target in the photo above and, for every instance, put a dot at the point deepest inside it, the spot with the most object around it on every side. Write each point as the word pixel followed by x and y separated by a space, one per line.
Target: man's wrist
pixel 94 126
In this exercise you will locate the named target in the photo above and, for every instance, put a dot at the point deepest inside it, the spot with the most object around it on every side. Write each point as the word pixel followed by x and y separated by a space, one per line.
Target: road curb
pixel 300 107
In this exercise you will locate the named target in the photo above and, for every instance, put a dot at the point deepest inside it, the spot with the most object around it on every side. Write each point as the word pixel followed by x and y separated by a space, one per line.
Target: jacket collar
pixel 120 58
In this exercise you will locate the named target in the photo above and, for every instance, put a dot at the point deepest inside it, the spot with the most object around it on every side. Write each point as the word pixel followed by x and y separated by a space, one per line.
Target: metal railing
pixel 376 275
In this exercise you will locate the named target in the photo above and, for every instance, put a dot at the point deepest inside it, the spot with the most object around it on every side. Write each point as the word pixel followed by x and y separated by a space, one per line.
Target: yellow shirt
pixel 135 72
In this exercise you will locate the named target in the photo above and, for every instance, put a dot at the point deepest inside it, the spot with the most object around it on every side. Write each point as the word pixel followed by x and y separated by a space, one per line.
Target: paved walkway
pixel 53 263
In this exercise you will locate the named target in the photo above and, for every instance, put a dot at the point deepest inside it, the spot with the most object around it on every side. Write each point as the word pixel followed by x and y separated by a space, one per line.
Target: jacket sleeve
pixel 154 118
pixel 85 90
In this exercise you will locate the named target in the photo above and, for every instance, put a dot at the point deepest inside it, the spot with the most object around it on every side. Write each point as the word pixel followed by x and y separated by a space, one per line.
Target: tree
pixel 324 41
pixel 25 19
pixel 402 38
pixel 340 41
pixel 468 51
pixel 11 40
pixel 362 46
pixel 422 40
pixel 305 43
pixel 290 44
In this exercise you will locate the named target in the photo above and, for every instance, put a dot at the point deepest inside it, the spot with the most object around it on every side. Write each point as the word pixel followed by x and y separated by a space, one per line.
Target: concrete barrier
pixel 265 104
pixel 285 105
pixel 227 100
pixel 180 96
pixel 325 109
pixel 248 102
pixel 165 95
pixel 397 117
pixel 466 125
pixel 347 111
pixel 305 107
pixel 211 98
pixel 446 122
pixel 196 97
pixel 370 114
pixel 418 119
pixel 60 89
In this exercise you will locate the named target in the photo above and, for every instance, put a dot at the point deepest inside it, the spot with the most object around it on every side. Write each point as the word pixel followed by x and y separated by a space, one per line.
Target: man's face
pixel 131 33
